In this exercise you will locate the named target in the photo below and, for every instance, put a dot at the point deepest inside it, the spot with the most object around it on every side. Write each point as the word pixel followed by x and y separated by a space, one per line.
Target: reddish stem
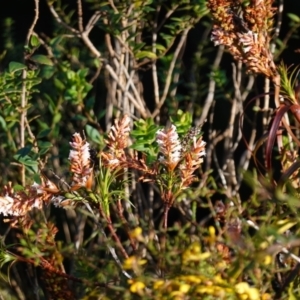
pixel 113 232
pixel 125 223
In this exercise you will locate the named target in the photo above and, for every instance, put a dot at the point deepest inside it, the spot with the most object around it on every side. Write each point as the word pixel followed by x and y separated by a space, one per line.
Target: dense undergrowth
pixel 129 173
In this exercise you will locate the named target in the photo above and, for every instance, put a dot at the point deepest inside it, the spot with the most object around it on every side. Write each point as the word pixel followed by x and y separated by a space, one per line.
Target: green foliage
pixel 288 82
pixel 144 138
pixel 183 122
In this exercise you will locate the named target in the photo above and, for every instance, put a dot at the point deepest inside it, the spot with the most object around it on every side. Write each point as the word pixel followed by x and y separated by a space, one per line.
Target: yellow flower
pixel 241 287
pixel 136 287
pixel 193 253
pixel 137 234
pixel 246 292
pixel 211 290
pixel 212 235
pixel 268 259
pixel 132 263
pixel 266 296
pixel 253 294
pixel 158 284
pixel 184 288
pixel 176 295
pixel 191 278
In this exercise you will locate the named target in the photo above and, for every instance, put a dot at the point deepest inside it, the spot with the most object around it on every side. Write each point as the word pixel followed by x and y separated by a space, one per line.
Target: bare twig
pixel 154 68
pixel 170 72
pixel 80 15
pixel 45 45
pixel 165 18
pixel 23 117
pixel 92 21
pixel 211 87
pixel 132 99
pixel 60 21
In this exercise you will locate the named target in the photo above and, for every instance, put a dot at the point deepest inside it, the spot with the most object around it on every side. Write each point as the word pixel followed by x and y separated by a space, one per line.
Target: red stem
pixel 113 232
pixel 125 223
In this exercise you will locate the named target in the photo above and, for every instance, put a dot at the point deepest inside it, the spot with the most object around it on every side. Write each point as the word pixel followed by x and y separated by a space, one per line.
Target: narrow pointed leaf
pixel 41 59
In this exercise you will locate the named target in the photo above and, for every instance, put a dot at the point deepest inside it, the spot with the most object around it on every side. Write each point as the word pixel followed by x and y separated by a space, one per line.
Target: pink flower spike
pixel 170 146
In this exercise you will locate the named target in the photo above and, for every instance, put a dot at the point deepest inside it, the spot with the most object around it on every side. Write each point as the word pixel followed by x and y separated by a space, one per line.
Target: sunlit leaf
pixel 34 41
pixel 294 17
pixel 15 66
pixel 144 54
pixel 42 59
pixel 93 134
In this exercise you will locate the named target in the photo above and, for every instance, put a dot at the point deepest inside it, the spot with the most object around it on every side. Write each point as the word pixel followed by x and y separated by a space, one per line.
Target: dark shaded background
pixel 22 13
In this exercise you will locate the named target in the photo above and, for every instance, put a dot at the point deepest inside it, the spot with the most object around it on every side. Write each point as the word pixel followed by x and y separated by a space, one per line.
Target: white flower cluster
pixel 169 145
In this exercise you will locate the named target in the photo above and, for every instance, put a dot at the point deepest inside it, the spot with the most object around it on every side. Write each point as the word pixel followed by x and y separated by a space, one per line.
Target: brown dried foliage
pixel 247 34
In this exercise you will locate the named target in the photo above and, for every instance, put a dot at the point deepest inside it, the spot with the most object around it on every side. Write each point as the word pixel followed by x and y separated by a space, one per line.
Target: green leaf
pixel 24 151
pixel 294 18
pixel 140 146
pixel 15 66
pixel 18 188
pixel 44 147
pixel 143 54
pixel 285 225
pixel 160 47
pixel 34 41
pixel 36 178
pixel 42 144
pixel 3 123
pixel 93 134
pixel 47 72
pixel 137 46
pixel 42 59
pixel 25 160
pixel 59 84
pixel 57 118
pixel 43 133
pixel 182 121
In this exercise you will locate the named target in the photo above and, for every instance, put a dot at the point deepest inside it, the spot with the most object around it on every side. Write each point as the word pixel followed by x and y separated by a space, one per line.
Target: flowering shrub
pixel 147 211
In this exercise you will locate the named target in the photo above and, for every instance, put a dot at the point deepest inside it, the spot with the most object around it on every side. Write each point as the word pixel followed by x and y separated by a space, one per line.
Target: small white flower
pixel 169 145
pixel 6 204
pixel 57 200
pixel 38 188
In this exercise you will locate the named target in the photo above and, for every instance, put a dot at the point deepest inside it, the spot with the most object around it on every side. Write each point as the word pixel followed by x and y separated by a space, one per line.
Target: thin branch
pixel 60 21
pixel 80 15
pixel 211 87
pixel 111 2
pixel 92 22
pixel 125 224
pixel 36 17
pixel 90 45
pixel 170 72
pixel 132 99
pixel 111 249
pixel 154 69
pixel 96 75
pixel 129 78
pixel 220 171
pixel 23 117
pixel 176 77
pixel 46 46
pixel 167 15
